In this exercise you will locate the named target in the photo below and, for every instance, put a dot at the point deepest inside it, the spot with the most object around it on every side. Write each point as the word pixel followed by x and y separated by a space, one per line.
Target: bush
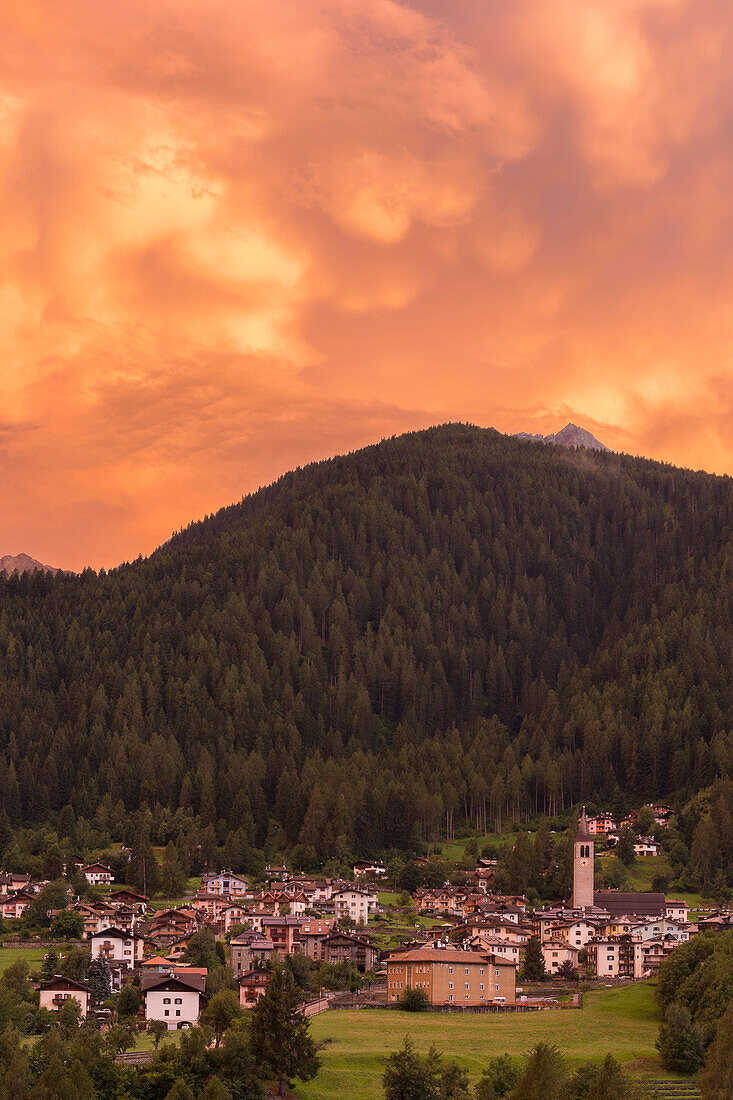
pixel 414 1000
pixel 499 1078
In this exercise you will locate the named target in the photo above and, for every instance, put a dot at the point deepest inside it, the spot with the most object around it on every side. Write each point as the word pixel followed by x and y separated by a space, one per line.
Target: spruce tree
pixel 280 1032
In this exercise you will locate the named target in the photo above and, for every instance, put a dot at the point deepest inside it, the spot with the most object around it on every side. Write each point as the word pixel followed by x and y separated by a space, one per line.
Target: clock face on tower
pixel 584 863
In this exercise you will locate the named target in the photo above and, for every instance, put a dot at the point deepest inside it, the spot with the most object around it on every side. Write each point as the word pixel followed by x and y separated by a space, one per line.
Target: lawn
pixel 32 955
pixel 454 850
pixel 646 868
pixel 623 1021
pixel 386 897
pixel 144 1042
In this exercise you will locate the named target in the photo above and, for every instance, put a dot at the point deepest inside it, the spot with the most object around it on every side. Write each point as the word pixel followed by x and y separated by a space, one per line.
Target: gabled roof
pixel 119 933
pixel 361 941
pixel 620 904
pixel 175 984
pixel 59 982
pixel 256 977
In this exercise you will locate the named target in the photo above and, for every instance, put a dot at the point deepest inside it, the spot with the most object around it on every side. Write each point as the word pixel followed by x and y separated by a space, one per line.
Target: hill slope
pixel 448 620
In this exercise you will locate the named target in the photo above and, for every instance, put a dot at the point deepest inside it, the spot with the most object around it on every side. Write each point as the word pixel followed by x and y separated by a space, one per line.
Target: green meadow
pixel 623 1021
pixel 32 955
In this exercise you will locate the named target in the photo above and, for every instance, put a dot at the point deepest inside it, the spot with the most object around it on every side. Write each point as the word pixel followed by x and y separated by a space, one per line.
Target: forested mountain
pixel 451 621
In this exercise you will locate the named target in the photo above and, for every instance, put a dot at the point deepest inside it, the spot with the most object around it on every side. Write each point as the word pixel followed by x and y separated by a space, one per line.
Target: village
pixel 470 949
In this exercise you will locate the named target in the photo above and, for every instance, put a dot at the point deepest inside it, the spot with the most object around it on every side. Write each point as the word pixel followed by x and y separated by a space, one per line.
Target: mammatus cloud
pixel 240 236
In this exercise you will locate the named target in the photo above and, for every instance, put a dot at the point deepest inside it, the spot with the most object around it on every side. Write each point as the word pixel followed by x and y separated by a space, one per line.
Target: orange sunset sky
pixel 237 235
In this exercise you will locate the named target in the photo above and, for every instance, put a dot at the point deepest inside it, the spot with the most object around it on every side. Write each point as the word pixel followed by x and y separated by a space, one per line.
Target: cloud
pixel 239 237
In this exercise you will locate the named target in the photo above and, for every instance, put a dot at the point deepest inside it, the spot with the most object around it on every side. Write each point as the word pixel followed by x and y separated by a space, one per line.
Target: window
pixel 482 972
pixel 450 996
pixel 178 1001
pixel 166 1000
pixel 497 987
pixel 450 985
pixel 178 1012
pixel 467 970
pixel 481 986
pixel 450 969
pixel 466 985
pixel 497 972
pixel 167 1012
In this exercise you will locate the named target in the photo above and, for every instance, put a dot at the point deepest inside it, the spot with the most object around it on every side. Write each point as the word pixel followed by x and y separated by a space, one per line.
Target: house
pixel 248 950
pixel 655 951
pixel 12 906
pixel 356 903
pixel 342 947
pixel 252 986
pixel 652 929
pixel 255 918
pixel 313 934
pixel 495 945
pixel 576 932
pixel 175 999
pixel 225 883
pixel 315 890
pixel 721 921
pixel 11 881
pixel 157 965
pixel 97 874
pixel 646 846
pixel 676 910
pixel 482 878
pixel 449 975
pixel 210 906
pixel 369 867
pixel 96 917
pixel 119 948
pixel 601 824
pixel 279 873
pixel 615 957
pixel 284 933
pixel 558 952
pixel 493 907
pixel 234 914
pixel 662 813
pixel 54 994
pixel 130 899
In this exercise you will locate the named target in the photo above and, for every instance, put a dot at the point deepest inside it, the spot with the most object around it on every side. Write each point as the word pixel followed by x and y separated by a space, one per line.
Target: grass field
pixel 623 1021
pixel 32 955
pixel 643 872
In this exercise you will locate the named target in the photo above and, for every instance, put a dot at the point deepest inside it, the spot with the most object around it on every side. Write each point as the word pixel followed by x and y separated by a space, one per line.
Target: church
pixel 613 902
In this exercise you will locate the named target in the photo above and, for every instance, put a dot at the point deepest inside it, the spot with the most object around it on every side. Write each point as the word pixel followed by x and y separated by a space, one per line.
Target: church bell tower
pixel 583 853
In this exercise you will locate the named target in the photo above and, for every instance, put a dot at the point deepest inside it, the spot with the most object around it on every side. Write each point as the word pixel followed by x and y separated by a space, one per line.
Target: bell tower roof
pixel 583 833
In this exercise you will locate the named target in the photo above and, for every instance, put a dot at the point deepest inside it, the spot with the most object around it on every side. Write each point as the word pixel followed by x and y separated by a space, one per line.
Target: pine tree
pixel 280 1033
pixel 533 968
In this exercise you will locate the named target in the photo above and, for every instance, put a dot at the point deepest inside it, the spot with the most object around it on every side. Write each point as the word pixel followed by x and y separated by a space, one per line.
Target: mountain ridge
pixel 24 563
pixel 571 436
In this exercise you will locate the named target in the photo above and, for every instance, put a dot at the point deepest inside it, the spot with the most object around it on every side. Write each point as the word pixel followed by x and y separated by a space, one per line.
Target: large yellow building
pixel 449 975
